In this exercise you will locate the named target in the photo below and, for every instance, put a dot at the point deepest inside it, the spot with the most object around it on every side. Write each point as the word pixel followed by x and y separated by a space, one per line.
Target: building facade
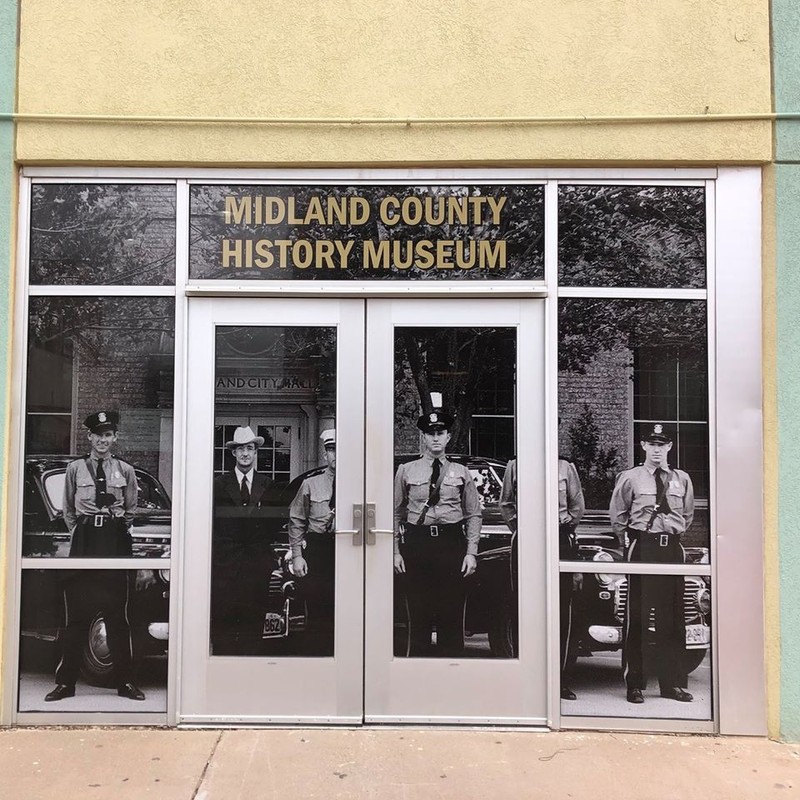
pixel 325 218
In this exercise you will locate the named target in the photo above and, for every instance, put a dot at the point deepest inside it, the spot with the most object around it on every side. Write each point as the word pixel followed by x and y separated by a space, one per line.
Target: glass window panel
pixel 437 612
pixel 282 460
pixel 463 232
pixel 668 639
pixel 619 368
pixel 493 437
pixel 49 433
pixel 117 633
pixel 117 357
pixel 646 236
pixel 266 379
pixel 93 233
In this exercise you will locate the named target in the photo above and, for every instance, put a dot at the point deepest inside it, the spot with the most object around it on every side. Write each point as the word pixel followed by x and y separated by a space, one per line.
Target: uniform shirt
pixel 571 505
pixel 458 499
pixel 310 511
pixel 635 495
pixel 508 495
pixel 80 490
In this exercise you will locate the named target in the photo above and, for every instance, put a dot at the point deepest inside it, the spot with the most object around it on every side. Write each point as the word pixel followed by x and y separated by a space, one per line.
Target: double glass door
pixel 355 547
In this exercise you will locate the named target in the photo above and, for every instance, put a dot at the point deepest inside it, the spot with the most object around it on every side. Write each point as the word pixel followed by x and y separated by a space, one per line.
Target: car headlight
pixel 164 575
pixel 602 578
pixel 703 600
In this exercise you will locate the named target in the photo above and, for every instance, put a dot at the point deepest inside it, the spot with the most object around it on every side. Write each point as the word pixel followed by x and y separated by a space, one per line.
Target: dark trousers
pixel 566 592
pixel 318 591
pixel 435 590
pixel 242 563
pixel 661 595
pixel 87 593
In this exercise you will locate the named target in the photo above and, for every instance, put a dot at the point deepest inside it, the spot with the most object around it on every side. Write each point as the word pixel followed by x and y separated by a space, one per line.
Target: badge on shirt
pixel 674 484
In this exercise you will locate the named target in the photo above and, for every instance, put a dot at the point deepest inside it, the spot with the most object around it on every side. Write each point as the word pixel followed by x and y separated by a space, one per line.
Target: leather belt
pixel 96 520
pixel 435 530
pixel 663 538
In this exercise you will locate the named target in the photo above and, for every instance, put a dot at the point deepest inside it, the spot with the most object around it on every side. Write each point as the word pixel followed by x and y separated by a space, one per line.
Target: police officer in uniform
pixel 100 496
pixel 651 507
pixel 571 508
pixel 437 524
pixel 312 524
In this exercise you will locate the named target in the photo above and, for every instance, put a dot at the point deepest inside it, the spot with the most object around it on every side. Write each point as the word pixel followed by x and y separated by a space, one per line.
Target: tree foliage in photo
pixel 100 234
pixel 632 236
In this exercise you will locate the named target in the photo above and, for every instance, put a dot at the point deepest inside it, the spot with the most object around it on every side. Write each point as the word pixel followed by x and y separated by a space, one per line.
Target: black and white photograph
pixel 450 232
pixel 633 447
pixel 101 234
pixel 93 640
pixel 638 646
pixel 632 236
pixel 100 376
pixel 273 543
pixel 455 593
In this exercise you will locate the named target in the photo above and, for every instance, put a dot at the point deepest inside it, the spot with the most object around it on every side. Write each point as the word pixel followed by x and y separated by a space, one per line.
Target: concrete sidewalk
pixel 39 764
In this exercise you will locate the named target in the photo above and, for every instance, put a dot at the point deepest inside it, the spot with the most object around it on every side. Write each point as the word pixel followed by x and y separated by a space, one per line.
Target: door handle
pixel 372 531
pixel 357 531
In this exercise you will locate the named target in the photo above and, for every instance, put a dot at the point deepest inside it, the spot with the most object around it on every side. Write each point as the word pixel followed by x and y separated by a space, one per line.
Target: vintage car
pixel 599 607
pixel 490 594
pixel 45 534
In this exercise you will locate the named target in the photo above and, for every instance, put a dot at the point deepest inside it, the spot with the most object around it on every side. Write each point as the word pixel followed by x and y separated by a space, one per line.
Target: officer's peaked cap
pixel 102 421
pixel 436 420
pixel 657 435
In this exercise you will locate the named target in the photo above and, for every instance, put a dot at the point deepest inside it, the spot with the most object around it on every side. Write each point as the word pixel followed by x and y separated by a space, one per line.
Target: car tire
pixel 694 658
pixel 503 633
pixel 402 630
pixel 97 667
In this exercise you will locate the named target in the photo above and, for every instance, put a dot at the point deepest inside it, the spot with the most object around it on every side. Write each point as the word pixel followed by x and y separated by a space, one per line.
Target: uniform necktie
pixel 100 485
pixel 245 492
pixel 437 468
pixel 332 501
pixel 433 496
pixel 661 495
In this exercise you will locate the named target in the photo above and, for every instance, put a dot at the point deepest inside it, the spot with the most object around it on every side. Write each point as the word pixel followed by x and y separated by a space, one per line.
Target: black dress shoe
pixel 568 694
pixel 681 695
pixel 130 691
pixel 61 691
pixel 635 696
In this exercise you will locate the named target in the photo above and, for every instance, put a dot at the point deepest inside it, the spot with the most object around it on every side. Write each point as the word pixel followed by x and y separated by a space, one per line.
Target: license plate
pixel 697 635
pixel 274 626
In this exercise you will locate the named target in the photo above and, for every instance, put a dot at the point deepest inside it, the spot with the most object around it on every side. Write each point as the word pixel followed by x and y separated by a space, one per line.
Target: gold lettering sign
pixel 368 232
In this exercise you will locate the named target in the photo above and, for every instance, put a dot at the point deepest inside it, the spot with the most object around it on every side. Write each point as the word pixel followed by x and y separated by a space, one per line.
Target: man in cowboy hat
pixel 242 554
pixel 100 496
pixel 437 524
pixel 312 522
pixel 651 507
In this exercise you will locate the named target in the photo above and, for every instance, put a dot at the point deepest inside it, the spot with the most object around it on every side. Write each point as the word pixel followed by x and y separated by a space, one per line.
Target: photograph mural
pixel 88 356
pixel 100 234
pixel 103 634
pixel 632 236
pixel 273 540
pixel 455 569
pixel 634 441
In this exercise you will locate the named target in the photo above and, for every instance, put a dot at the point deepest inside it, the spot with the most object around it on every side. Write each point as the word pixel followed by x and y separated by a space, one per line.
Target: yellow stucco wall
pixel 397 58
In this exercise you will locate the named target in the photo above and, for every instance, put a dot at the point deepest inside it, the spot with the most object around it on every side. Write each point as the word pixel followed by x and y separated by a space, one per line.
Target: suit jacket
pixel 228 493
pixel 231 518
